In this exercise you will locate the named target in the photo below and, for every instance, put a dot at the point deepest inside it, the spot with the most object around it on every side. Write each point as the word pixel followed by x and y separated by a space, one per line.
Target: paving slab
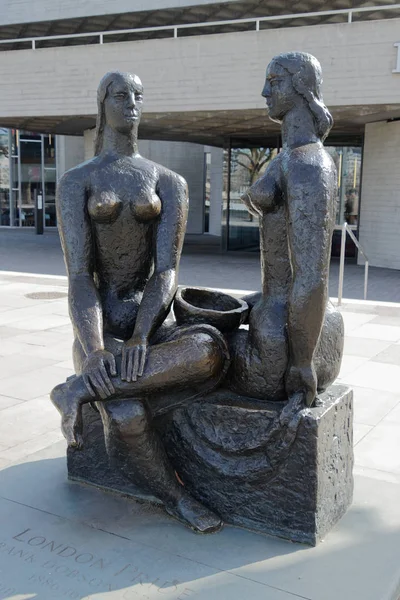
pixel 9 332
pixel 25 363
pixel 367 348
pixel 390 333
pixel 377 376
pixel 387 320
pixel 360 431
pixel 371 406
pixel 393 416
pixel 359 558
pixel 47 338
pixel 38 442
pixel 350 364
pixel 26 421
pixel 354 320
pixel 7 401
pixel 34 384
pixel 390 355
pixel 47 557
pixel 380 449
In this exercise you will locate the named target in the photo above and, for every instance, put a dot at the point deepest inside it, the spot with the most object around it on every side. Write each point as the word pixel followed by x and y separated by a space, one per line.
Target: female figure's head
pixel 119 101
pixel 292 80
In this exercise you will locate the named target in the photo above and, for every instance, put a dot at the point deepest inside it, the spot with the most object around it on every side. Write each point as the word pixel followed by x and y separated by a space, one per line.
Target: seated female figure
pixel 295 340
pixel 122 220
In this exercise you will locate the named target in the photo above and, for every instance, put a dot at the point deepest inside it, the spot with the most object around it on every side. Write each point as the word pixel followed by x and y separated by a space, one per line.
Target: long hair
pixel 306 74
pixel 102 91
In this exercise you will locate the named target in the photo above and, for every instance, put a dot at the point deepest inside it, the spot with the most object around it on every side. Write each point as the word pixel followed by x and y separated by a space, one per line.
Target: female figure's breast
pixel 265 194
pixel 104 206
pixel 123 187
pixel 145 205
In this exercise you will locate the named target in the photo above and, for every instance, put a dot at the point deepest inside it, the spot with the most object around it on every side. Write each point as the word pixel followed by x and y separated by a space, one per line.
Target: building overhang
pixel 120 15
pixel 214 128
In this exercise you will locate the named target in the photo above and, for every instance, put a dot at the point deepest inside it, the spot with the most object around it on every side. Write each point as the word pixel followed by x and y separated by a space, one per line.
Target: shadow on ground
pixel 64 540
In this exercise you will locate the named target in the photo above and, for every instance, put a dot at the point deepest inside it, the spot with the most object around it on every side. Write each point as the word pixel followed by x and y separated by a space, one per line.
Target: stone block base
pixel 91 465
pixel 293 480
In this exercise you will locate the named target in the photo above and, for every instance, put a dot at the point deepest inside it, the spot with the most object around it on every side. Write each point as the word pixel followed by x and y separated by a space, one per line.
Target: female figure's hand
pixel 302 381
pixel 134 353
pixel 96 371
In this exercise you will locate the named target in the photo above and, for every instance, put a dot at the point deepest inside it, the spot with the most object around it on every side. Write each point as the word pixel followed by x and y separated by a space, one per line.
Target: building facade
pixel 202 64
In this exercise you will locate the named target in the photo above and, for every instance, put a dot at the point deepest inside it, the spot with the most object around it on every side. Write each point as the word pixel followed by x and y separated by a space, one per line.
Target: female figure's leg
pixel 260 356
pixel 329 350
pixel 134 446
pixel 194 355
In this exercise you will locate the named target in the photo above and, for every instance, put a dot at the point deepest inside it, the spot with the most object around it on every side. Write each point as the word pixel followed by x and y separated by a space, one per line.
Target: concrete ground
pixel 63 540
pixel 23 251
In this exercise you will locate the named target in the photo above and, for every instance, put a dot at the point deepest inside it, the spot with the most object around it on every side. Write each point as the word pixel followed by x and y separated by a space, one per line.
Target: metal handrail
pixel 176 28
pixel 346 229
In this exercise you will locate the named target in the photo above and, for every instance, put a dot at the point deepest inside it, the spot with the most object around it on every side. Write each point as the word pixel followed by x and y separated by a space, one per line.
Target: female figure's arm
pixel 84 301
pixel 248 200
pixel 309 219
pixel 162 285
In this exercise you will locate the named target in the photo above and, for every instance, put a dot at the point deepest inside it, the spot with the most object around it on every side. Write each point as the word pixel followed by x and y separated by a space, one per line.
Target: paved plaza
pixel 202 264
pixel 63 540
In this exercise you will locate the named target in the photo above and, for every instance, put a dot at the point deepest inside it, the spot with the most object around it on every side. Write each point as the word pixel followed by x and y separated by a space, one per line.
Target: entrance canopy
pixel 215 128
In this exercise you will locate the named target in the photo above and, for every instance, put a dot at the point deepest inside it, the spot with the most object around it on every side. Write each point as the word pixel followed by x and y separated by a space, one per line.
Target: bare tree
pixel 254 160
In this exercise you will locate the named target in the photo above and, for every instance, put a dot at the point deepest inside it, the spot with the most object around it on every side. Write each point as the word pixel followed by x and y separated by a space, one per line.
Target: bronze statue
pixel 122 221
pixel 295 340
pixel 261 451
pixel 237 426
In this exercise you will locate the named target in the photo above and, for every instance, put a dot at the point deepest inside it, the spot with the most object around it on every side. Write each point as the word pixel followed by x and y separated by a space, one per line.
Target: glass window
pixel 28 136
pixel 4 178
pixel 207 190
pixel 247 165
pixel 348 160
pixel 31 179
pixel 348 164
pixel 50 218
pixel 21 177
pixel 49 147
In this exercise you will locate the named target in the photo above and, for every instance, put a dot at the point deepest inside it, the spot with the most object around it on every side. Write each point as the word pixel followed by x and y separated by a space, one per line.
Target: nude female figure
pixel 122 221
pixel 295 340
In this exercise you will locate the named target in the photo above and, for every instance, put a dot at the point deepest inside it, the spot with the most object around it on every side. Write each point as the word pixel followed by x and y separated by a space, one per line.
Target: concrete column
pixel 69 153
pixel 380 195
pixel 88 137
pixel 187 160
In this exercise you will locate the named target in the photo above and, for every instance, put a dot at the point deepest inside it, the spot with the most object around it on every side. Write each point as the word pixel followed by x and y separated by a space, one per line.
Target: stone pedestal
pixel 294 481
pixel 290 478
pixel 91 465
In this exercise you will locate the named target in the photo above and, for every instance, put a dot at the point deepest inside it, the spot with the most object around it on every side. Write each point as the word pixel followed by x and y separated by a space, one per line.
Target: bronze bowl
pixel 196 305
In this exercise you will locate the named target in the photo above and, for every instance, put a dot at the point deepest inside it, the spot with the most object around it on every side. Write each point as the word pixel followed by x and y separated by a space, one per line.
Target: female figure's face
pixel 279 92
pixel 123 103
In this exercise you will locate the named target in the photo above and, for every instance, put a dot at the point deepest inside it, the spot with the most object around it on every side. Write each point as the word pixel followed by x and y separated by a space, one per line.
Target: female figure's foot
pixel 70 410
pixel 194 515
